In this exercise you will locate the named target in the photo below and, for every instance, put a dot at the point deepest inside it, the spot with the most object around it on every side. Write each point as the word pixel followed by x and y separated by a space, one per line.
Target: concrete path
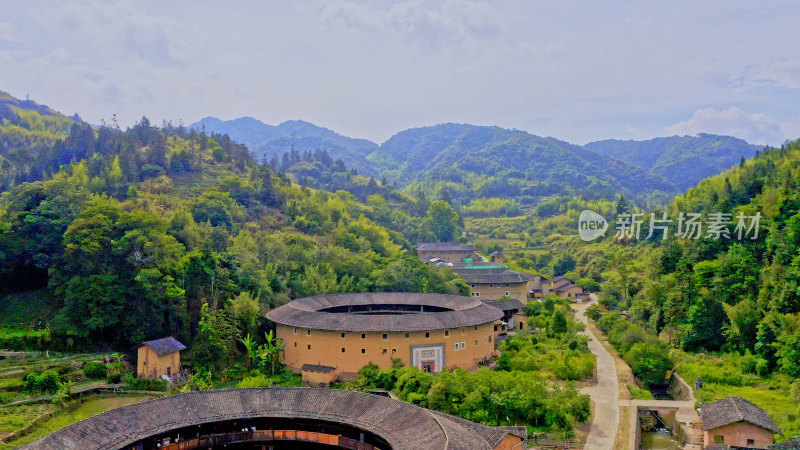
pixel 605 393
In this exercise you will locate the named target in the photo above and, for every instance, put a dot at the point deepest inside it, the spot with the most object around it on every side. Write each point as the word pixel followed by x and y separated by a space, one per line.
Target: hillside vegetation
pixel 479 165
pixel 144 227
pixel 683 160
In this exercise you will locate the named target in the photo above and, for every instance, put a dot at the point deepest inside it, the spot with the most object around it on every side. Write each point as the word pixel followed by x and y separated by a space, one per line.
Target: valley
pixel 112 238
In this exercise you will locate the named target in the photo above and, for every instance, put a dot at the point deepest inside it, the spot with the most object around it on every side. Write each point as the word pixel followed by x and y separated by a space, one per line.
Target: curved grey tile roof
pixel 735 409
pixel 306 312
pixel 402 425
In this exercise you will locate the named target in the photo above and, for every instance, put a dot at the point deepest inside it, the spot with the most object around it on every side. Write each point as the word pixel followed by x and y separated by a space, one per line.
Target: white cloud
pixel 756 128
pixel 784 73
pixel 453 21
pixel 790 129
pixel 9 32
pixel 634 132
pixel 370 68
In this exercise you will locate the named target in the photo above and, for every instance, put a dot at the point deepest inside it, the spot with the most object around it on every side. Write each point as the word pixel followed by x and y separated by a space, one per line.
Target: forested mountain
pixel 150 231
pixel 683 160
pixel 27 132
pixel 727 294
pixel 272 141
pixel 477 161
pixel 477 165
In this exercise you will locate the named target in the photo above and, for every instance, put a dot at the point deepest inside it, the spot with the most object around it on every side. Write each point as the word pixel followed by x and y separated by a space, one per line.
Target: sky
pixel 575 70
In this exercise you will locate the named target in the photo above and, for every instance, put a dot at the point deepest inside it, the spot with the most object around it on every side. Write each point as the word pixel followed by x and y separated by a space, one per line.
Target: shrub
pixel 594 312
pixel 44 383
pixel 95 370
pixel 146 384
pixel 116 371
pixel 649 363
pixel 256 381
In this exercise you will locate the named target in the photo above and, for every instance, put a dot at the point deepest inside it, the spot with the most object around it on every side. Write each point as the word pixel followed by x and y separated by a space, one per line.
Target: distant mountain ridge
pixel 481 161
pixel 272 141
pixel 684 160
pixel 452 152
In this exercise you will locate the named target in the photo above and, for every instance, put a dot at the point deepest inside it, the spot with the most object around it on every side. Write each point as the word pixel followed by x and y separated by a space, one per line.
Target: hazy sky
pixel 575 70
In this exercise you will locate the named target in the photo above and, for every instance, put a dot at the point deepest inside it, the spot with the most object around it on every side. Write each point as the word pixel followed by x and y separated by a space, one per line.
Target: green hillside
pixel 683 160
pixel 28 131
pixel 473 162
pixel 270 142
pixel 140 228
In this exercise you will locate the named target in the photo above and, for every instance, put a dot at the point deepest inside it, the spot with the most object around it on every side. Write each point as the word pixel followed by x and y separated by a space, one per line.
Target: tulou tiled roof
pixel 402 425
pixel 165 345
pixel 505 305
pixel 488 272
pixel 461 312
pixel 444 246
pixel 735 409
pixel 507 276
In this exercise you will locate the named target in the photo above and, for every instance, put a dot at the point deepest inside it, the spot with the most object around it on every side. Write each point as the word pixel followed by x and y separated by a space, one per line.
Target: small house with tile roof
pixel 736 422
pixel 159 357
pixel 446 251
pixel 566 288
pixel 317 375
pixel 497 257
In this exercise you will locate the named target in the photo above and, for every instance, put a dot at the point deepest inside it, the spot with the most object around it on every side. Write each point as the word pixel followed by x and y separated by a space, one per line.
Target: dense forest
pixel 127 234
pixel 683 160
pixel 493 171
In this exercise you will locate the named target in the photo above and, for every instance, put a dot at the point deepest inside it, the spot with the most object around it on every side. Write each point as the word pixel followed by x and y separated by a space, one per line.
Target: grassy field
pixel 63 418
pixel 725 375
pixel 16 365
pixel 639 394
pixel 12 418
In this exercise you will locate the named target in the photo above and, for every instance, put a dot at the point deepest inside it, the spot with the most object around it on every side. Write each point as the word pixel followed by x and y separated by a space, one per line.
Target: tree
pixel 788 353
pixel 705 321
pixel 157 150
pixel 649 362
pixel 270 353
pixel 558 324
pixel 742 327
pixel 565 263
pixel 442 220
pixel 622 206
pixel 215 339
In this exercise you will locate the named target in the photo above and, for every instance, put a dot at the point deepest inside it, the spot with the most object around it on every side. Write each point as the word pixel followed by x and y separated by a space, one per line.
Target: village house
pixel 564 287
pixel 446 251
pixel 496 257
pixel 317 375
pixel 540 287
pixel 736 422
pixel 159 357
pixel 511 308
pixel 491 281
